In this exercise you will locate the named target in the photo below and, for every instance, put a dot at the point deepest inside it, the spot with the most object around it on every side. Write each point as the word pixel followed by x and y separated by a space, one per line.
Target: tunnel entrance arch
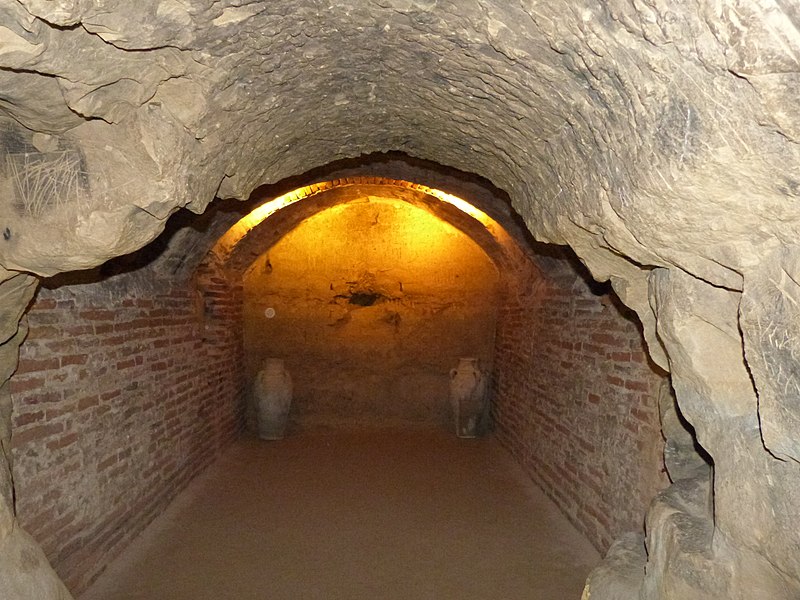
pixel 389 284
pixel 573 363
pixel 528 287
pixel 632 283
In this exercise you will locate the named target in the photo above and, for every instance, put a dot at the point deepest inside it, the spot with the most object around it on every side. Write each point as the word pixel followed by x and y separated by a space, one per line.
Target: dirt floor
pixel 379 515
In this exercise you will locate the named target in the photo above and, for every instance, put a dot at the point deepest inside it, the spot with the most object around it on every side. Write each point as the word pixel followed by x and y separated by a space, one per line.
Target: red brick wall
pixel 575 401
pixel 120 399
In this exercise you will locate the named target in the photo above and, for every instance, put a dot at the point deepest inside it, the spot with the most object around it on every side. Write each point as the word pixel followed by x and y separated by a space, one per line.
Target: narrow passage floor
pixel 381 515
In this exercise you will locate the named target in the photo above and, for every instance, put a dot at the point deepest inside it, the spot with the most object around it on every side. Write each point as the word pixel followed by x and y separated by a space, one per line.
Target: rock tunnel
pixel 656 142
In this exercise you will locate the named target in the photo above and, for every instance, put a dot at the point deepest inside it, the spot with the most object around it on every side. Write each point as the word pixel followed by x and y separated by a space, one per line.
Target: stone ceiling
pixel 662 131
pixel 658 138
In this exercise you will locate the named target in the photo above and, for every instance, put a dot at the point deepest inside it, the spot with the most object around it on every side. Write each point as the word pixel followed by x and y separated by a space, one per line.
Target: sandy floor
pixel 376 515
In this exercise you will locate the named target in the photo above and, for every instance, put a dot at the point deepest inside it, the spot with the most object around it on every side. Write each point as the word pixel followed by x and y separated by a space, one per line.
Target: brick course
pixel 575 401
pixel 120 399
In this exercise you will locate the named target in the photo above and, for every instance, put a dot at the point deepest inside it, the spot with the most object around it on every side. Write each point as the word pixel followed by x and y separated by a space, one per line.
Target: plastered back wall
pixel 121 397
pixel 576 401
pixel 374 303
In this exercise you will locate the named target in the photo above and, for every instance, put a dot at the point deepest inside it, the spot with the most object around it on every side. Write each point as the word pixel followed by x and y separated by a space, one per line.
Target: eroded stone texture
pixel 633 114
pixel 654 135
pixel 742 529
pixel 683 456
pixel 24 570
pixel 620 576
pixel 16 291
pixel 771 328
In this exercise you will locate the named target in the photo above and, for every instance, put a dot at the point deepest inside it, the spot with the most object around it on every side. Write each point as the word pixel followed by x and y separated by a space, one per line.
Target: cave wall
pixel 124 392
pixel 576 400
pixel 17 548
pixel 659 140
pixel 375 301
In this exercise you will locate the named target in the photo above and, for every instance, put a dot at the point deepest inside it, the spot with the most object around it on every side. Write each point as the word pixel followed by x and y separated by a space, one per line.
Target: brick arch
pixel 235 250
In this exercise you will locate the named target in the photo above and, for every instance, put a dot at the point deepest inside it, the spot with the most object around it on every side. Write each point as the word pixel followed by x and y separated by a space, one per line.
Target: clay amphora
pixel 273 394
pixel 468 386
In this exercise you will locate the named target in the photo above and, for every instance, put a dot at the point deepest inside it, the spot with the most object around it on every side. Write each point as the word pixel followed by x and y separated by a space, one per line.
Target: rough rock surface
pixel 659 136
pixel 620 576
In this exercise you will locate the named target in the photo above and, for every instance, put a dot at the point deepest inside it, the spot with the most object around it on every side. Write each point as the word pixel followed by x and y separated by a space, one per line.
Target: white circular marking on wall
pixel 269 312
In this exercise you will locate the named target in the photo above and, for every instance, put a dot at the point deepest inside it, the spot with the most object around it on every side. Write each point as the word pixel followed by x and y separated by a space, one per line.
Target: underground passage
pixel 590 207
pixel 369 292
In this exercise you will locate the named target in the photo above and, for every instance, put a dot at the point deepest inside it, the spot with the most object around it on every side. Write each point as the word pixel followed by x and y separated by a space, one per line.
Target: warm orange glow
pixel 461 205
pixel 244 225
pixel 236 233
pixel 414 233
pixel 363 298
